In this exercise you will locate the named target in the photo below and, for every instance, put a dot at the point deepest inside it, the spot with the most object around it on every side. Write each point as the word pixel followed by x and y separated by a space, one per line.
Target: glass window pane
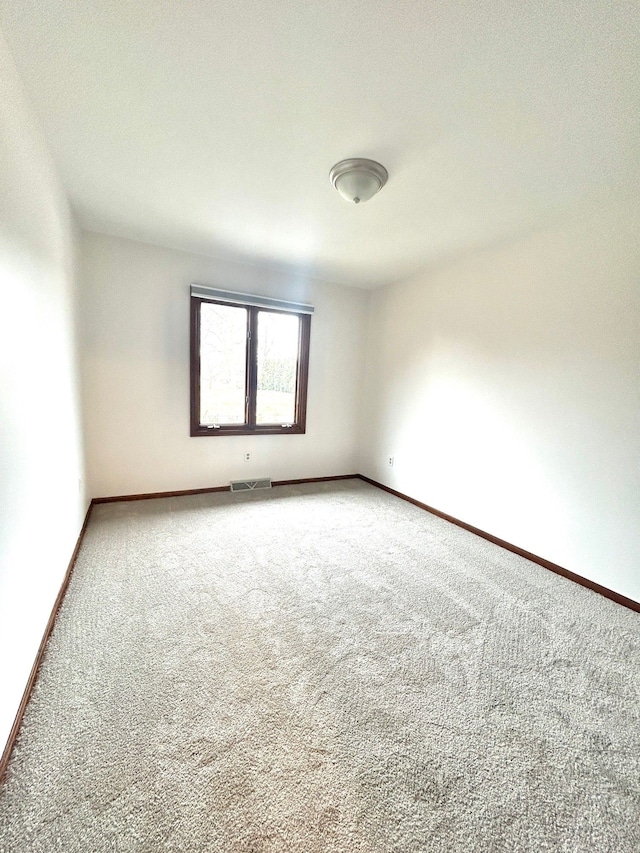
pixel 277 367
pixel 223 357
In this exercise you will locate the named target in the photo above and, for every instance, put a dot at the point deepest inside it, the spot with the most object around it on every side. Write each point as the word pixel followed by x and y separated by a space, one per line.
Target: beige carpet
pixel 320 669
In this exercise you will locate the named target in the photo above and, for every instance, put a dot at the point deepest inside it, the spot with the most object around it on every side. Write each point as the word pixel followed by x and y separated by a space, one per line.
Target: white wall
pixel 135 357
pixel 507 387
pixel 42 504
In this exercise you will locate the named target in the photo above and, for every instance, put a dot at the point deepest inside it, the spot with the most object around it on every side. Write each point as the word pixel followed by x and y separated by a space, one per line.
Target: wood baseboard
pixel 13 734
pixel 148 496
pixel 547 564
pixel 315 480
pixel 182 492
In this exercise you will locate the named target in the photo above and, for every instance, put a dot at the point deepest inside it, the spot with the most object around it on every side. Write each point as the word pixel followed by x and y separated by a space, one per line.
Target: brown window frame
pixel 250 427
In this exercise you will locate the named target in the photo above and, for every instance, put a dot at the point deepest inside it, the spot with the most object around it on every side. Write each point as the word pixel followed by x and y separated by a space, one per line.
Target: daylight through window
pixel 248 367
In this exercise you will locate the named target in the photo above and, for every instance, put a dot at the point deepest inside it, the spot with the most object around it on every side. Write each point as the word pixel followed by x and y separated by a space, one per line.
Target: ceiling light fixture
pixel 358 179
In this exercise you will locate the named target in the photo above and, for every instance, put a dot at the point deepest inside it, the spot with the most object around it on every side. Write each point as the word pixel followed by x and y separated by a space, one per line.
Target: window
pixel 249 364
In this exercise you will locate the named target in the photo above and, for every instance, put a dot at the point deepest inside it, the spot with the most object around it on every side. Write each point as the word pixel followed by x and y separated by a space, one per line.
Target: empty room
pixel 319 426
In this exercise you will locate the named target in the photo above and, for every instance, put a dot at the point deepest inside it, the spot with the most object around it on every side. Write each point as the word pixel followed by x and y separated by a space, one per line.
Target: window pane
pixel 277 366
pixel 223 356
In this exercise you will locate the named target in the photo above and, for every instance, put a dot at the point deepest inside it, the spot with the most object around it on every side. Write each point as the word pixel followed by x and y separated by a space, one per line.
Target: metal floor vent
pixel 249 485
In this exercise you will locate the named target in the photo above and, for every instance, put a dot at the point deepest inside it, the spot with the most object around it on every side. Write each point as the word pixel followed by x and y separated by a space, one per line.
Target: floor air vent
pixel 249 485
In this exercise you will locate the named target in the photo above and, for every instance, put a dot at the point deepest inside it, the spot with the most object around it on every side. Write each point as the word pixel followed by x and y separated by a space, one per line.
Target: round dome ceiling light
pixel 358 179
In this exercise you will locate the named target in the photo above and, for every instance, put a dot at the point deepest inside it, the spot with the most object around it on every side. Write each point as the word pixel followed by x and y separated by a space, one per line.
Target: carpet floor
pixel 323 669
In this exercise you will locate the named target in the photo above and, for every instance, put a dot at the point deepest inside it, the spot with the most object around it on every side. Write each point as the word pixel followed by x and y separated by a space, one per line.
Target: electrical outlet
pixel 390 462
pixel 247 457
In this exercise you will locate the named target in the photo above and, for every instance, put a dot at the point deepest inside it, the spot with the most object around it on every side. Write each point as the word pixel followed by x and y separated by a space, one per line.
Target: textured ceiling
pixel 212 126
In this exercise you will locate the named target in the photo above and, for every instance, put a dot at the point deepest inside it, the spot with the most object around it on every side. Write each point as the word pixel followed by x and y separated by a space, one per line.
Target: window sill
pixel 295 429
